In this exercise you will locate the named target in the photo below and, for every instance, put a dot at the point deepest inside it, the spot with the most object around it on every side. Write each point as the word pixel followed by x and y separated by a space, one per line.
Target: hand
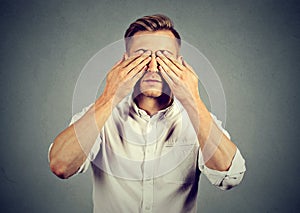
pixel 124 75
pixel 180 77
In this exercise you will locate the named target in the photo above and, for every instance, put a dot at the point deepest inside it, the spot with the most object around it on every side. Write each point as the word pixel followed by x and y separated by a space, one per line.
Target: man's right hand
pixel 71 147
pixel 124 75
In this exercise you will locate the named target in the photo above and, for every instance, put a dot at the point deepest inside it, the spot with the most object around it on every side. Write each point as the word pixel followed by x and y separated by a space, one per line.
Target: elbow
pixel 62 164
pixel 57 164
pixel 59 169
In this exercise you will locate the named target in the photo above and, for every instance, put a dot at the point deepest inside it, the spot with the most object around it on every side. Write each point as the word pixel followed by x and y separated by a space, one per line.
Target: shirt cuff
pixel 226 179
pixel 49 150
pixel 84 167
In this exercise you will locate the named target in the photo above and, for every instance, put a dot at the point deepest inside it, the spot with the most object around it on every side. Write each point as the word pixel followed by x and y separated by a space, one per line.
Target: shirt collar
pixel 143 113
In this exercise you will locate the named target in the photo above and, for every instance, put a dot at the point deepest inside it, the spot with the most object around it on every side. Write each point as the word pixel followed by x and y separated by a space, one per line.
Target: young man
pixel 149 135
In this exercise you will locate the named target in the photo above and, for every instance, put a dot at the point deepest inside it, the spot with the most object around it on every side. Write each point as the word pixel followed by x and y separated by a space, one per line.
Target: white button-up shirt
pixel 151 164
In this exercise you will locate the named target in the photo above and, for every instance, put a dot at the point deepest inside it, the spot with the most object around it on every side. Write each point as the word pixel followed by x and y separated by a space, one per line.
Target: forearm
pixel 217 149
pixel 71 147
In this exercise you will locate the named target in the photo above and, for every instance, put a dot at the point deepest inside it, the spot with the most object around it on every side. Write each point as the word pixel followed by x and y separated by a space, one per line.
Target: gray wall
pixel 253 45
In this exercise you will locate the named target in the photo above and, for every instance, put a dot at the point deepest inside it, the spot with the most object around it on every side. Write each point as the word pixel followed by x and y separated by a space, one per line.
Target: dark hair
pixel 151 23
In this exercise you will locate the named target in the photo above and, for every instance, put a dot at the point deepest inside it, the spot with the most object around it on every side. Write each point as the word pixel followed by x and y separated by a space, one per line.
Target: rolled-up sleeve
pixel 224 179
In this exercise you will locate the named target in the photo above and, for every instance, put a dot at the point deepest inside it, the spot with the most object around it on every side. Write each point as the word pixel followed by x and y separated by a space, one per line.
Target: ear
pixel 180 59
pixel 126 56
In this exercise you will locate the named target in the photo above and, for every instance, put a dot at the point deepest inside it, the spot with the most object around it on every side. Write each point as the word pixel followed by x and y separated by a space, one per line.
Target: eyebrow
pixel 151 51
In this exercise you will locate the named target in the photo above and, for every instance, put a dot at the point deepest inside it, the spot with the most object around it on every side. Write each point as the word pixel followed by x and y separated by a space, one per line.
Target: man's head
pixel 151 23
pixel 152 33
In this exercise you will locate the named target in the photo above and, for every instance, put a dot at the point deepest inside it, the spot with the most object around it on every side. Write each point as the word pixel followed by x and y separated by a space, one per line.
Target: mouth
pixel 152 81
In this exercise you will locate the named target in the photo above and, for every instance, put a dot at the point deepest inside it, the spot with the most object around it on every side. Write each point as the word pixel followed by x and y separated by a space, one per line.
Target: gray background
pixel 253 45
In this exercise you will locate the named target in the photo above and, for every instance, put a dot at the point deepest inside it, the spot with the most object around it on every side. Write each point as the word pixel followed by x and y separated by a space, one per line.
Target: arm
pixel 71 147
pixel 218 150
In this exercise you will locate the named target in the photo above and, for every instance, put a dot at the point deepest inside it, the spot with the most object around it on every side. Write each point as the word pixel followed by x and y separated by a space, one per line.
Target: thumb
pixel 120 61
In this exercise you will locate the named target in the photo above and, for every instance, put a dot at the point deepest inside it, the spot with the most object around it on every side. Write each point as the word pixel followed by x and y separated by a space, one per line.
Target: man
pixel 149 135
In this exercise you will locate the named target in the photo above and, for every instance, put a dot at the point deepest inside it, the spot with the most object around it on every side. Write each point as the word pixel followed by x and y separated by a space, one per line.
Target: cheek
pixel 140 84
pixel 137 86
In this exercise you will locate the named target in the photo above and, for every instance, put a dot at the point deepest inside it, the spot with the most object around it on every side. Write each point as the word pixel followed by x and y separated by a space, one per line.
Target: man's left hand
pixel 180 77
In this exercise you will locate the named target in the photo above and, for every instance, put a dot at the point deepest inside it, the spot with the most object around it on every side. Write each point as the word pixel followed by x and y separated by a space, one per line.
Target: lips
pixel 152 81
pixel 152 78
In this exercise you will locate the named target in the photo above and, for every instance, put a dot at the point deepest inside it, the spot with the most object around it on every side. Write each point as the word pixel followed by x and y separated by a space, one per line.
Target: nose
pixel 153 65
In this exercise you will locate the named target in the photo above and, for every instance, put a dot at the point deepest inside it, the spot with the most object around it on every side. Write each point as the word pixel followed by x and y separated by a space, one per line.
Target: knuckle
pixel 136 62
pixel 121 74
pixel 168 63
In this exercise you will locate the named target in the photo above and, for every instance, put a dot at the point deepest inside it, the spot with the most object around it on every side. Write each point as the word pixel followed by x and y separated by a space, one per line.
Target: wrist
pixel 102 110
pixel 193 105
pixel 104 103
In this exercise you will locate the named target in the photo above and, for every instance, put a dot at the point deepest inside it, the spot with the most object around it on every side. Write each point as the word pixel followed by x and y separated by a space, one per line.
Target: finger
pixel 166 77
pixel 169 66
pixel 186 65
pixel 138 68
pixel 165 56
pixel 119 62
pixel 128 60
pixel 138 55
pixel 171 80
pixel 140 74
pixel 138 60
pixel 133 57
pixel 189 67
pixel 176 61
pixel 139 52
pixel 168 70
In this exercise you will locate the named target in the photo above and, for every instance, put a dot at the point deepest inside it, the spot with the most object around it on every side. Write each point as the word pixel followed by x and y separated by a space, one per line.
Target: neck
pixel 152 104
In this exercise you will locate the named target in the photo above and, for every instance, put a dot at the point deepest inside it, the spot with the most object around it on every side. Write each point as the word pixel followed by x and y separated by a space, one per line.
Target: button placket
pixel 147 194
pixel 148 171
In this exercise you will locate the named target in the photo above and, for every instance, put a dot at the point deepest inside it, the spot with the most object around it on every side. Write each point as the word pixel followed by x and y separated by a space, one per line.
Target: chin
pixel 151 93
pixel 159 92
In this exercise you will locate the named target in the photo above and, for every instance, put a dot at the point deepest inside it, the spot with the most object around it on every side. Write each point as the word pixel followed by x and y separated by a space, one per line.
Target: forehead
pixel 159 40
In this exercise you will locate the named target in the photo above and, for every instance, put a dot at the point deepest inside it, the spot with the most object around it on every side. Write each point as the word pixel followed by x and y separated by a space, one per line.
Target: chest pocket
pixel 185 171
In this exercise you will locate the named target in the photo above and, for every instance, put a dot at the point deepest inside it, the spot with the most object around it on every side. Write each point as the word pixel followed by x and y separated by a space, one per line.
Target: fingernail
pixel 159 52
pixel 166 52
pixel 148 52
pixel 138 53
